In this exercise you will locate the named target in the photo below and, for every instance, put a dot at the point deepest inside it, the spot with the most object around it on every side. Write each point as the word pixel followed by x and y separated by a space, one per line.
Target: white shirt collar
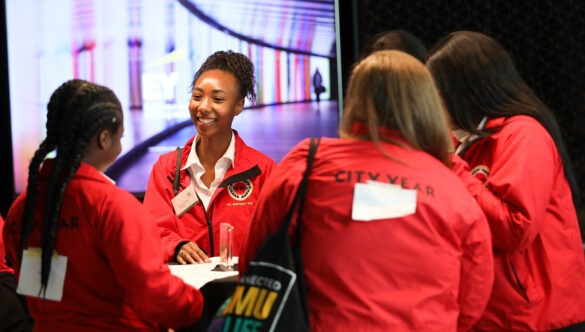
pixel 227 160
pixel 463 135
pixel 482 123
pixel 108 178
pixel 465 138
pixel 221 167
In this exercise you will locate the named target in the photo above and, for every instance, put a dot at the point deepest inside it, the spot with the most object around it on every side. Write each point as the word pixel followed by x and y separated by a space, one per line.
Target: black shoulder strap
pixel 296 253
pixel 177 171
pixel 300 194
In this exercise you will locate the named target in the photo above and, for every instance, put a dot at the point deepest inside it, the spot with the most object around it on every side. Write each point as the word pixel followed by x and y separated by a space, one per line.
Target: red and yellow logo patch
pixel 482 172
pixel 240 190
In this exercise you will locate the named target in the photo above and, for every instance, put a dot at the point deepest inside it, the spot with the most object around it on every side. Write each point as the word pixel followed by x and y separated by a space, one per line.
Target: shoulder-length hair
pixel 477 77
pixel 391 89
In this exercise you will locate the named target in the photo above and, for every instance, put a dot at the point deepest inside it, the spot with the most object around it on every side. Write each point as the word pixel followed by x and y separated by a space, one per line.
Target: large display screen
pixel 147 52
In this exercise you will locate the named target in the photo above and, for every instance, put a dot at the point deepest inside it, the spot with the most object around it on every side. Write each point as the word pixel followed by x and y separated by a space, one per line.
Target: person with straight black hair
pixel 513 160
pixel 86 252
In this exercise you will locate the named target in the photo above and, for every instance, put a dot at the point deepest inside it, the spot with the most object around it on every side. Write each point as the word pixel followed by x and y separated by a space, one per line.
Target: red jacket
pixel 3 266
pixel 519 182
pixel 234 200
pixel 116 278
pixel 429 271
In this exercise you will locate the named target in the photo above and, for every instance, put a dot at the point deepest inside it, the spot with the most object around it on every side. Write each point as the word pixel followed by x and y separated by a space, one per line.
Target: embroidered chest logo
pixel 482 172
pixel 240 190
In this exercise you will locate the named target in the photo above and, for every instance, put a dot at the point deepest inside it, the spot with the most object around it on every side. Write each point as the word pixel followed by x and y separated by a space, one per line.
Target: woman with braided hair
pixel 101 267
pixel 216 176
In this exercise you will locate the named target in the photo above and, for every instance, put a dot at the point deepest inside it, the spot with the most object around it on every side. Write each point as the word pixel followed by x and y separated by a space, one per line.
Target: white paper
pixel 376 200
pixel 29 282
pixel 198 275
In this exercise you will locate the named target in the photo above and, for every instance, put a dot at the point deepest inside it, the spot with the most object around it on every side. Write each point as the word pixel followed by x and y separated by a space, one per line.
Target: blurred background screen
pixel 147 52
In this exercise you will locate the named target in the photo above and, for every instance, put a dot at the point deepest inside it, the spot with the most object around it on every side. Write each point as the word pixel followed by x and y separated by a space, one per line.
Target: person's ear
pixel 240 106
pixel 104 140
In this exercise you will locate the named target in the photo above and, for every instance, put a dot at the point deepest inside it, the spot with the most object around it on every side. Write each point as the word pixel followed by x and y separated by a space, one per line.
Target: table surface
pixel 198 275
pixel 215 286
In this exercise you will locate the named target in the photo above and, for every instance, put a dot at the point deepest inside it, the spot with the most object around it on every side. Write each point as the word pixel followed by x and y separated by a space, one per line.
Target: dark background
pixel 6 176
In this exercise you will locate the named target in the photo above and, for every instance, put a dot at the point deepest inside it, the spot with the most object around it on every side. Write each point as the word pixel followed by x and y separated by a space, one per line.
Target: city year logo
pixel 240 190
pixel 482 172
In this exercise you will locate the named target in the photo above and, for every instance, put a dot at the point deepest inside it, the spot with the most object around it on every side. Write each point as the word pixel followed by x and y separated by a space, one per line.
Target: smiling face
pixel 215 100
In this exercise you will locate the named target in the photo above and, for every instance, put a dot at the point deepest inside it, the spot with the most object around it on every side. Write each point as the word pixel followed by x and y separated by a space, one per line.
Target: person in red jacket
pixel 86 252
pixel 424 264
pixel 13 314
pixel 218 177
pixel 516 166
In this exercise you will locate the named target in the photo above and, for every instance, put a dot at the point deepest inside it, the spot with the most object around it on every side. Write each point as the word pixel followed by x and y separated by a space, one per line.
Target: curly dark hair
pixel 76 112
pixel 236 64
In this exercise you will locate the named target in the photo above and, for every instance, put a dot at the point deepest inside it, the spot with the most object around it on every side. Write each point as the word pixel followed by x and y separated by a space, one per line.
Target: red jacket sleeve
pixel 274 201
pixel 3 266
pixel 517 191
pixel 477 271
pixel 11 238
pixel 133 246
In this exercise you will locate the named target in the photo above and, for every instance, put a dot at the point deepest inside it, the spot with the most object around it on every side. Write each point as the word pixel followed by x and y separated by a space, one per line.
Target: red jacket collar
pixel 85 170
pixel 240 145
pixel 360 128
pixel 242 162
pixel 495 122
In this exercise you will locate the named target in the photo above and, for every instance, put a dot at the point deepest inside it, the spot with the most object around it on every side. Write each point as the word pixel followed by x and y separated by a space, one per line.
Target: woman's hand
pixel 190 253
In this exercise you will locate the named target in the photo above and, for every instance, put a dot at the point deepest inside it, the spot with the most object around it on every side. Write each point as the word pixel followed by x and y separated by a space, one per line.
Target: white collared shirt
pixel 196 170
pixel 108 178
pixel 465 138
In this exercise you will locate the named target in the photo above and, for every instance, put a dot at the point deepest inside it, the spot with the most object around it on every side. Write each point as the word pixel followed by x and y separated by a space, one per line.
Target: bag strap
pixel 300 194
pixel 177 171
pixel 296 251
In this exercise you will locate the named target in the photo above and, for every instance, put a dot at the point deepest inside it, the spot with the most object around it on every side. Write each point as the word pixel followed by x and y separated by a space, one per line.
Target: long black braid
pixel 48 145
pixel 79 112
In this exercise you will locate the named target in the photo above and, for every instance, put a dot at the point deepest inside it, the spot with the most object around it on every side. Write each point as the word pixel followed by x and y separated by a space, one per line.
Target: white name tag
pixel 29 281
pixel 185 200
pixel 376 200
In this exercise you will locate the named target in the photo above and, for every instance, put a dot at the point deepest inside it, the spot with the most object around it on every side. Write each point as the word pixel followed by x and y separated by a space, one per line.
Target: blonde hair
pixel 391 89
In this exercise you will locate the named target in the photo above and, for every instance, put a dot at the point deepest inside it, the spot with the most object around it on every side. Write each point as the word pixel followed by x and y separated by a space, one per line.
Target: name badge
pixel 375 200
pixel 29 281
pixel 185 200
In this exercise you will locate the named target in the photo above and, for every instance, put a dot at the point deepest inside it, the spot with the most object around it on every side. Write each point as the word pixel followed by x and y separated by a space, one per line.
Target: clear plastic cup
pixel 226 246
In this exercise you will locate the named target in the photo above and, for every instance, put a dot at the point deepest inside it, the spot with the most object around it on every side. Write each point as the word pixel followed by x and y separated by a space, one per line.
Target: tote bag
pixel 271 295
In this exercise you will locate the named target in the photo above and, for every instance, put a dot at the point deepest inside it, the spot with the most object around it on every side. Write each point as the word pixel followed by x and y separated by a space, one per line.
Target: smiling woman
pixel 215 165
